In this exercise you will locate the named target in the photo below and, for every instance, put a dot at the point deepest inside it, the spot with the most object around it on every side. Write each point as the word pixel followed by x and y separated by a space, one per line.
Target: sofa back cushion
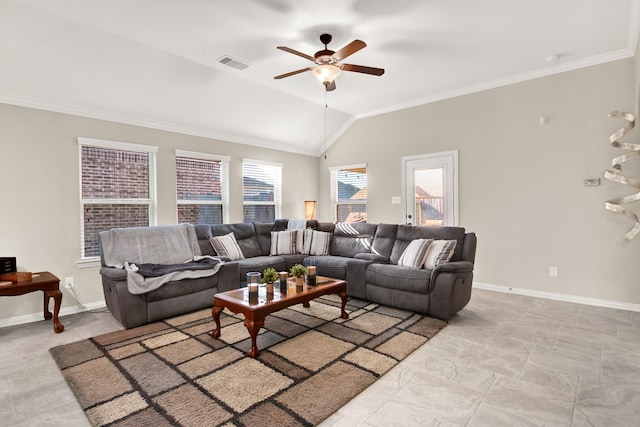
pixel 283 224
pixel 351 238
pixel 263 234
pixel 384 240
pixel 406 233
pixel 245 236
pixel 203 233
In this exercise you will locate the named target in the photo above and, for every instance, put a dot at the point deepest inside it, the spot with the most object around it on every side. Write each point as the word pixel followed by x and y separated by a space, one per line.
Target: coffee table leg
pixel 344 314
pixel 253 326
pixel 306 304
pixel 216 318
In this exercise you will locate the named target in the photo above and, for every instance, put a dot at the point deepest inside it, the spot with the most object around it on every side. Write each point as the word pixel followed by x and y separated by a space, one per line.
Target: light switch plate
pixel 395 200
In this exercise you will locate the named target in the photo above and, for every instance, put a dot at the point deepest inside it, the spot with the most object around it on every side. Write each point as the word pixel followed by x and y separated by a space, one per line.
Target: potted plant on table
pixel 269 275
pixel 298 271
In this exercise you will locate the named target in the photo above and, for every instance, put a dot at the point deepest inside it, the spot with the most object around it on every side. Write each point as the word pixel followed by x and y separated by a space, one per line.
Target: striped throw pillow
pixel 283 242
pixel 227 246
pixel 303 241
pixel 440 252
pixel 320 243
pixel 415 254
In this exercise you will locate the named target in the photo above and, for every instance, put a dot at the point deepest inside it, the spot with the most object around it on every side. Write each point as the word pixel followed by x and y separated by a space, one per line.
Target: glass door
pixel 430 183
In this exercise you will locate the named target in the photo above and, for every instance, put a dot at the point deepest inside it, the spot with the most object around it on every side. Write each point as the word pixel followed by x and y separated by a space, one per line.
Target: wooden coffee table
pixel 255 310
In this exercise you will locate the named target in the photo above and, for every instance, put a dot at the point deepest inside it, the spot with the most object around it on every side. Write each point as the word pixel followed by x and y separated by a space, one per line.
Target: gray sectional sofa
pixel 365 255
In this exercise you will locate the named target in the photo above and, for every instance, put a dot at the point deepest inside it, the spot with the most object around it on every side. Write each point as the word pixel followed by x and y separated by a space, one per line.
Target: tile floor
pixel 505 360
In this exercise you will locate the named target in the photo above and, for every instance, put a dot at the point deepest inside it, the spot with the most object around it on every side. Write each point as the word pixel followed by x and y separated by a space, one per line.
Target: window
pixel 349 193
pixel 261 190
pixel 117 189
pixel 202 187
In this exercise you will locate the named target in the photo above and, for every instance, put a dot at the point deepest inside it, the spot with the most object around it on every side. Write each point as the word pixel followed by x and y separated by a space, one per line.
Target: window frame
pixel 224 181
pixel 277 190
pixel 333 176
pixel 151 201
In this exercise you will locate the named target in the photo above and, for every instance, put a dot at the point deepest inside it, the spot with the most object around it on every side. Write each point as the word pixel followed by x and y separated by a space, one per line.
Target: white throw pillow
pixel 283 242
pixel 227 246
pixel 303 241
pixel 320 243
pixel 440 251
pixel 415 254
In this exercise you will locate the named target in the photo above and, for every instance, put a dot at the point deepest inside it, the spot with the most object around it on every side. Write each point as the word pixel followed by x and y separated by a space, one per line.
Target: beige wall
pixel 520 184
pixel 40 208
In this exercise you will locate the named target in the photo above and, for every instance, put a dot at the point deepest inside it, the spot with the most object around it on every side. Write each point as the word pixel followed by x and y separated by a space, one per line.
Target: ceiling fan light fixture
pixel 326 73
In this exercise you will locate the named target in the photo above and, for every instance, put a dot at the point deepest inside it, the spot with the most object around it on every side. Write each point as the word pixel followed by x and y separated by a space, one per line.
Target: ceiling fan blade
pixel 331 86
pixel 363 69
pixel 295 52
pixel 349 49
pixel 293 73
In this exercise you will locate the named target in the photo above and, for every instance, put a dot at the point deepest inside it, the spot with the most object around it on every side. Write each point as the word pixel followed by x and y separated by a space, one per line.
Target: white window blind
pixel 349 192
pixel 117 189
pixel 202 187
pixel 261 190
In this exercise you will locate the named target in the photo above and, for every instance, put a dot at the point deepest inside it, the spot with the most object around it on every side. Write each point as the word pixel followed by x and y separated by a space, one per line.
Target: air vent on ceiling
pixel 233 63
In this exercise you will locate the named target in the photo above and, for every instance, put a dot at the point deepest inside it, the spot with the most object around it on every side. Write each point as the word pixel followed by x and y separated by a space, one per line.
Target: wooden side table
pixel 45 282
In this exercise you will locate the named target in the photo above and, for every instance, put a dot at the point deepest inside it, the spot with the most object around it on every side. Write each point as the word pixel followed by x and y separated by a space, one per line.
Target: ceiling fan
pixel 329 62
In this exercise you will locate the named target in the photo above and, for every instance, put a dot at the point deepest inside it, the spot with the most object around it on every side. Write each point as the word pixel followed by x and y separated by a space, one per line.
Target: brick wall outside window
pixel 199 180
pixel 110 177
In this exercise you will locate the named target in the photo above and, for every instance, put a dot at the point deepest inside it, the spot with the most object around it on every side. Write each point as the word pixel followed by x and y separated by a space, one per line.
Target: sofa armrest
pixel 453 267
pixel 228 276
pixel 372 257
pixel 450 288
pixel 113 273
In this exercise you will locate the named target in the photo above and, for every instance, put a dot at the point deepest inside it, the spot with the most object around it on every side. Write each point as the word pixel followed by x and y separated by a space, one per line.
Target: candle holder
pixel 283 279
pixel 311 275
pixel 253 278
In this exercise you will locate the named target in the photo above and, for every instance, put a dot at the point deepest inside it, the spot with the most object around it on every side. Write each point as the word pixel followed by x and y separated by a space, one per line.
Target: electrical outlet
pixel 68 282
pixel 553 271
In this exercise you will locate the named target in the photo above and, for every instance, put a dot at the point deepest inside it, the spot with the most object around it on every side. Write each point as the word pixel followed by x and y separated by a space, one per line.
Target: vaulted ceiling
pixel 155 62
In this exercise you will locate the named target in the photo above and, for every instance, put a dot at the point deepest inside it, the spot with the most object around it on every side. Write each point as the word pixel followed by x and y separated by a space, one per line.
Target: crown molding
pixel 518 78
pixel 75 110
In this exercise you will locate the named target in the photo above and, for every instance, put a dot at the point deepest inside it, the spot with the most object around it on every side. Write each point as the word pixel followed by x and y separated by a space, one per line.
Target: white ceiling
pixel 154 62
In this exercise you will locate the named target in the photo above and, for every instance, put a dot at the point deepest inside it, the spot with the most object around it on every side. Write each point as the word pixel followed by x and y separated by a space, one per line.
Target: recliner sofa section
pixel 365 255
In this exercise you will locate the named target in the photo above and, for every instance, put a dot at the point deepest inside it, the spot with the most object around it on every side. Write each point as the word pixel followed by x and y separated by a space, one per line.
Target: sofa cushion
pixel 407 233
pixel 226 246
pixel 259 263
pixel 395 277
pixel 439 252
pixel 263 235
pixel 283 242
pixel 384 239
pixel 182 287
pixel 415 255
pixel 330 266
pixel 351 238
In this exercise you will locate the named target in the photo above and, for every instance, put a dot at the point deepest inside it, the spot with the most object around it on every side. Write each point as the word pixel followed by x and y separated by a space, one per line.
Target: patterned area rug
pixel 311 363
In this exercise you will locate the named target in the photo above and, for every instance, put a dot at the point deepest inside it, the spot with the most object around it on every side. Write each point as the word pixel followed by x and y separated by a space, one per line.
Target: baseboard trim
pixel 559 297
pixel 37 317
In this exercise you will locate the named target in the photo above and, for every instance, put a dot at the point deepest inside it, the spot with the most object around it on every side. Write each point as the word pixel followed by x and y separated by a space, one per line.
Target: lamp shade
pixel 326 73
pixel 310 209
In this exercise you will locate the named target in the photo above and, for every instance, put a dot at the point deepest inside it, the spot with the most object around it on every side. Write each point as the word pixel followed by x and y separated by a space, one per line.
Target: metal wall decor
pixel 615 174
